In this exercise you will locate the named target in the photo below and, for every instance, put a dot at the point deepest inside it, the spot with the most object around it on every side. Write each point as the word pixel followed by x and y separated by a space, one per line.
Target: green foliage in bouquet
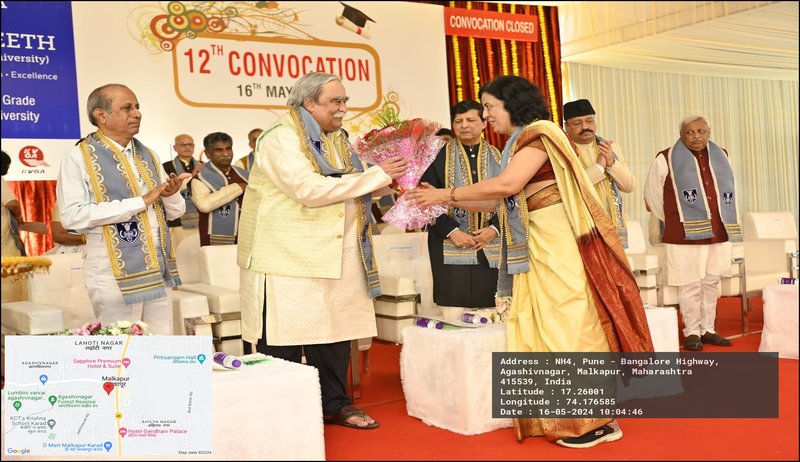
pixel 388 115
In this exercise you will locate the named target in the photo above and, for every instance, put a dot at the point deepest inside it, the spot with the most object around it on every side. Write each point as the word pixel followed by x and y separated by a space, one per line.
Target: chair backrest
pixel 55 286
pixel 188 260
pixel 769 225
pixel 636 243
pixel 403 255
pixel 218 266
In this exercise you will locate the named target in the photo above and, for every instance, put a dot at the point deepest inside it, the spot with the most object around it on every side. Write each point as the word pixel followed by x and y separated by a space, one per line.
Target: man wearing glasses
pixel 184 162
pixel 690 188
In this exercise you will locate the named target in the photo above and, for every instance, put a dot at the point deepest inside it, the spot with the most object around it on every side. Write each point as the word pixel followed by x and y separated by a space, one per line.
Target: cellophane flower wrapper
pixel 416 141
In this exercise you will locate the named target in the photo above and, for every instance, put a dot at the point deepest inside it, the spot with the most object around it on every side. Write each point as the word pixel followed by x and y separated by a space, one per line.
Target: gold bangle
pixel 83 238
pixel 453 194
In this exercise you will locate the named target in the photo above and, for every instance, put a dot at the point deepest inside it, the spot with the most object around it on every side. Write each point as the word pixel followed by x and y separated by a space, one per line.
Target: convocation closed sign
pixel 490 24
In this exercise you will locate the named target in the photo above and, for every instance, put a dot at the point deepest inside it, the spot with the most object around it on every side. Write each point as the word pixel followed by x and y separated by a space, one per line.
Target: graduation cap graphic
pixel 354 20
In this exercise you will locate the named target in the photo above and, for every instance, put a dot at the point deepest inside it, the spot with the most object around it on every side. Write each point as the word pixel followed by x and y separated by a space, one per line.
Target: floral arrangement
pixel 416 141
pixel 118 328
pixel 502 306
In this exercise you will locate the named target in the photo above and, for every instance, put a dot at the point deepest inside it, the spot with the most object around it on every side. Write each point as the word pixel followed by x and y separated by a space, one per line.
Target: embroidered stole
pixel 690 195
pixel 457 173
pixel 249 160
pixel 512 213
pixel 613 202
pixel 223 222
pixel 332 151
pixel 131 244
pixel 190 217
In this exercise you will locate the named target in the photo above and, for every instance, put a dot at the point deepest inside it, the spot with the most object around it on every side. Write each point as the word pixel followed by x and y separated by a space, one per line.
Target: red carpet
pixel 401 437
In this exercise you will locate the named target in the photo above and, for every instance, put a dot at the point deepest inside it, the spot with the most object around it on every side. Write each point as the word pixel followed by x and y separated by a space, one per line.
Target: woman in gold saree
pixel 572 288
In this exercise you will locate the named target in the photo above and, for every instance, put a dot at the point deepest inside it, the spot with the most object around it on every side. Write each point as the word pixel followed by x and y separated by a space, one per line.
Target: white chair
pixel 645 265
pixel 56 300
pixel 406 282
pixel 770 239
pixel 212 272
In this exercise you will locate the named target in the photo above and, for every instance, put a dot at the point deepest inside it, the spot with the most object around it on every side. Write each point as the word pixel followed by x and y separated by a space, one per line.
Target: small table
pixel 447 376
pixel 447 373
pixel 780 320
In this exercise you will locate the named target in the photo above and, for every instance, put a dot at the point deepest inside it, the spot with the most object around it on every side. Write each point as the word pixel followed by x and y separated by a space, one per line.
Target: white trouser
pixel 107 302
pixel 698 302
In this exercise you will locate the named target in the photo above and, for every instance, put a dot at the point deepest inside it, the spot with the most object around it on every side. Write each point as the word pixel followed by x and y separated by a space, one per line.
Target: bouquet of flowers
pixel 118 328
pixel 416 141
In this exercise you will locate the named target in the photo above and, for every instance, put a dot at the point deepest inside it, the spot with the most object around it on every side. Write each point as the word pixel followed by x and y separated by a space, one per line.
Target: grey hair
pixel 309 86
pixel 690 119
pixel 98 99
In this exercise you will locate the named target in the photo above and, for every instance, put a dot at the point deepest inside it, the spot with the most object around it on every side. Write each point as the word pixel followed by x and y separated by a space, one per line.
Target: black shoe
pixel 715 339
pixel 693 343
pixel 605 434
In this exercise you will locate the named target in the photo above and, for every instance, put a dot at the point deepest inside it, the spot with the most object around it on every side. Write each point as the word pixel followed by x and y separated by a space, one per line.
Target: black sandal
pixel 347 411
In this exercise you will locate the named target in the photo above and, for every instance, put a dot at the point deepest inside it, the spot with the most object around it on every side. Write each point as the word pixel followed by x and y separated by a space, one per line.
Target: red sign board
pixel 491 24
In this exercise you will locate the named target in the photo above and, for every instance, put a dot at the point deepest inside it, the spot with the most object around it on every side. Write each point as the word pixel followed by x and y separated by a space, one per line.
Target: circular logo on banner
pixel 31 156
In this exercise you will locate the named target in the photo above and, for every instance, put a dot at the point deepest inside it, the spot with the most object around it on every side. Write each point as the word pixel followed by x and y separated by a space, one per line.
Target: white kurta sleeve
pixel 654 186
pixel 80 211
pixel 288 168
pixel 174 206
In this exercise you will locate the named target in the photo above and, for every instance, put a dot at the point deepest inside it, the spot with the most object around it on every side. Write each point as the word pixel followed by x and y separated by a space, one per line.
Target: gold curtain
pixel 473 62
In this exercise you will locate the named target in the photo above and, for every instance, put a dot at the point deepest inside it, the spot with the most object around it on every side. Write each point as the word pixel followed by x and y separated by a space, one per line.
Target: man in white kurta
pixel 117 116
pixel 694 265
pixel 301 242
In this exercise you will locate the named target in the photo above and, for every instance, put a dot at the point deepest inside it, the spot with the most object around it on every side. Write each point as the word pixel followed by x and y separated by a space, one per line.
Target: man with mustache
pixel 110 188
pixel 690 188
pixel 464 246
pixel 217 192
pixel 305 245
pixel 602 159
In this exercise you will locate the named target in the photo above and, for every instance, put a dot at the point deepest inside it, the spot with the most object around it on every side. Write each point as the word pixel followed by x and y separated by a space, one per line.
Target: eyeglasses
pixel 184 145
pixel 701 132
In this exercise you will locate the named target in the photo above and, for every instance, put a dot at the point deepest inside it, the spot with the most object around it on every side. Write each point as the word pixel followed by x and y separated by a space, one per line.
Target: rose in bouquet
pixel 416 141
pixel 118 328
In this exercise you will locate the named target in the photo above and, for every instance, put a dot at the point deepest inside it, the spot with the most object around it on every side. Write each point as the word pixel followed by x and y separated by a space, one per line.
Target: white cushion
pixel 636 243
pixel 187 259
pixel 218 266
pixel 220 299
pixel 186 305
pixel 769 225
pixel 29 318
pixel 58 276
pixel 406 255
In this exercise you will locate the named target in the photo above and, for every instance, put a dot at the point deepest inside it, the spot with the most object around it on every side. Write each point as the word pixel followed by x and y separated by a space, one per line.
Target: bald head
pixel 184 146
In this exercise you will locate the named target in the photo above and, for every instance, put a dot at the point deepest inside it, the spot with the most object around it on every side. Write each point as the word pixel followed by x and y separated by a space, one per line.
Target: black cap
pixel 355 16
pixel 578 108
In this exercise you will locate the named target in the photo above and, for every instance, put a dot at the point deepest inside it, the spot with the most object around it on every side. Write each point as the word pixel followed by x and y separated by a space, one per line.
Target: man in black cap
pixel 602 160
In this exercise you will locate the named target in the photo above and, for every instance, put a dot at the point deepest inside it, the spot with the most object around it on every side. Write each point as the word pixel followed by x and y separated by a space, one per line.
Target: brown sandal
pixel 347 411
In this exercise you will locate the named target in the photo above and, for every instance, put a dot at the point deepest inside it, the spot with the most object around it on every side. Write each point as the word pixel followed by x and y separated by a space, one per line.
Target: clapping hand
pixel 173 183
pixel 606 157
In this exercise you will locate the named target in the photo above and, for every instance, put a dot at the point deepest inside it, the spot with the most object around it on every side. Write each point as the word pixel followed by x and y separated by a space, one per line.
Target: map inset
pixel 111 395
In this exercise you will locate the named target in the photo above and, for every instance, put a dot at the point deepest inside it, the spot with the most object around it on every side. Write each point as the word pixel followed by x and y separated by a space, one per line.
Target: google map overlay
pixel 108 395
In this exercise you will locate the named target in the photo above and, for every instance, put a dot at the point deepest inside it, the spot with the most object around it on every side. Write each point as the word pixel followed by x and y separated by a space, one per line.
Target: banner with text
pixel 491 25
pixel 202 67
